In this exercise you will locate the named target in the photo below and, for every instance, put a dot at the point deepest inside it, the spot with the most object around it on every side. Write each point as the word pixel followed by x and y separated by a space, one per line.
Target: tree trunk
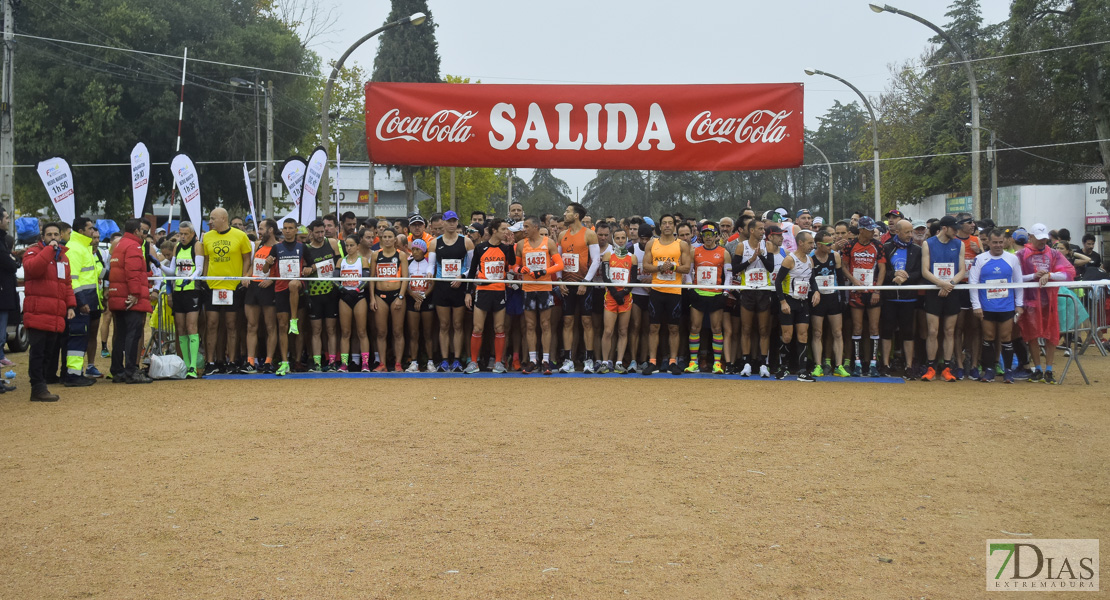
pixel 410 190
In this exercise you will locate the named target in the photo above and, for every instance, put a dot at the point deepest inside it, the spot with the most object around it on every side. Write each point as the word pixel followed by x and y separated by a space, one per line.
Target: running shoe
pixel 89 372
pixel 211 369
pixel 804 376
pixel 857 370
pixel 267 368
pixel 527 368
pixel 958 374
pixel 619 369
pixel 730 369
pixel 718 368
pixel 248 369
pixel 633 367
pixel 471 368
pixel 692 367
pixel 444 367
pixel 568 366
pixel 398 368
pixel 780 374
pixel 929 375
pixel 413 367
pixel 548 367
pixel 947 375
pixel 841 372
pixel 1008 377
pixel 874 371
pixel 1036 377
pixel 909 374
pixel 104 352
pixel 1049 378
pixel 430 367
pixel 316 368
pixel 456 367
pixel 998 370
pixel 282 370
pixel 746 371
pixel 974 373
pixel 381 368
pixel 764 372
pixel 649 368
pixel 588 366
pixel 366 367
pixel 492 361
pixel 516 364
pixel 818 371
pixel 603 368
pixel 498 367
pixel 328 367
pixel 191 373
pixel 987 376
pixel 343 369
pixel 293 328
pixel 675 369
pixel 1021 373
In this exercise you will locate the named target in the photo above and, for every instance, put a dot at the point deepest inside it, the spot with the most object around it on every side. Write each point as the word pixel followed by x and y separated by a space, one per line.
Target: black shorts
pixel 426 306
pixel 688 295
pixel 663 308
pixel 445 295
pixel 257 296
pixel 539 300
pixel 998 317
pixel 965 298
pixel 799 312
pixel 899 316
pixel 942 307
pixel 708 304
pixel 489 300
pixel 324 306
pixel 281 302
pixel 351 297
pixel 598 300
pixel 574 304
pixel 863 300
pixel 186 301
pixel 388 297
pixel 756 300
pixel 640 300
pixel 209 295
pixel 829 306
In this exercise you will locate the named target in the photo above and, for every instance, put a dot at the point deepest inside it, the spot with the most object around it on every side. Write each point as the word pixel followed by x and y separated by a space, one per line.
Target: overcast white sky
pixel 649 41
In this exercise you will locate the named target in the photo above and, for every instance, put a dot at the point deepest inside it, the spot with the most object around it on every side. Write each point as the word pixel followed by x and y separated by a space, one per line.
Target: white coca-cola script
pixel 443 126
pixel 760 126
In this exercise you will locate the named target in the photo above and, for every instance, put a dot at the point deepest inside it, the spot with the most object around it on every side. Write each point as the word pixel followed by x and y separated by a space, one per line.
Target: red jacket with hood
pixel 128 275
pixel 47 289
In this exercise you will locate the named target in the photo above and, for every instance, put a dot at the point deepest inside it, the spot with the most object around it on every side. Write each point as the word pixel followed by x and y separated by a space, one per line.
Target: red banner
pixel 657 127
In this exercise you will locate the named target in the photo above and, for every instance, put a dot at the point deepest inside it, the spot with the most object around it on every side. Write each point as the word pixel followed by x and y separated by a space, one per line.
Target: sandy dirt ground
pixel 572 487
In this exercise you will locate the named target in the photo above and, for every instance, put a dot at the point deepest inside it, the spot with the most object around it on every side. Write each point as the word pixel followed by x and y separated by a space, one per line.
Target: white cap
pixel 818 220
pixel 516 227
pixel 1039 231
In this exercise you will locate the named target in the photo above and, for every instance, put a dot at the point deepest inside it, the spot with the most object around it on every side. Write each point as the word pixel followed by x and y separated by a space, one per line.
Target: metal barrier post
pixel 1073 350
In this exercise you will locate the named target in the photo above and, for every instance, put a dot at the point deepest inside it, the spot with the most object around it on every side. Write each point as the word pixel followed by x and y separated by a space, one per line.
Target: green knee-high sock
pixel 194 350
pixel 185 356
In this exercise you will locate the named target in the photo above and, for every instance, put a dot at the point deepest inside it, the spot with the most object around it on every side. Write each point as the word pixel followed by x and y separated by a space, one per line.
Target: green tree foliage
pixel 473 189
pixel 411 55
pixel 347 110
pixel 544 193
pixel 843 135
pixel 91 105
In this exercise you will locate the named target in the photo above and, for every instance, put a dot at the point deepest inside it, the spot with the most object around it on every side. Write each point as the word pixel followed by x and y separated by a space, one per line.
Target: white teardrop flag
pixel 58 179
pixel 140 177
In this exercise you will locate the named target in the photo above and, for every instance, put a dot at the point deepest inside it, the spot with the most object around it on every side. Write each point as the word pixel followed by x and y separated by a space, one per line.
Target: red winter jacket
pixel 128 275
pixel 46 292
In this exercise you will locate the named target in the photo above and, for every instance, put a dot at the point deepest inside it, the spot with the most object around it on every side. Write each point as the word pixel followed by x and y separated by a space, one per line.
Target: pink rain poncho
pixel 1041 319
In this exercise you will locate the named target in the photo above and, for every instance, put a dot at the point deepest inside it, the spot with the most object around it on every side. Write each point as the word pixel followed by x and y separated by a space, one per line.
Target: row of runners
pixel 783 270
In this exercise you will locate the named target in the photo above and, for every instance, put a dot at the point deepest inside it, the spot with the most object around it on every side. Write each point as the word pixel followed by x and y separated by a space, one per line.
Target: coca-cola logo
pixel 443 126
pixel 760 126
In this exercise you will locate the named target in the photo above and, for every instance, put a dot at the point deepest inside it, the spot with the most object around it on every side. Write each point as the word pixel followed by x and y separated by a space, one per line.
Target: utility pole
pixel 453 189
pixel 439 195
pixel 257 139
pixel 7 142
pixel 270 149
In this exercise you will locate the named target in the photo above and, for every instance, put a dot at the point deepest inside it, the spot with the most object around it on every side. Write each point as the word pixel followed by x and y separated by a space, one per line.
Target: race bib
pixel 452 268
pixel 61 270
pixel 664 276
pixel 801 289
pixel 289 267
pixel 259 267
pixel 619 275
pixel 350 278
pixel 184 269
pixel 756 279
pixel 493 270
pixel 387 269
pixel 865 277
pixel 222 298
pixel 944 271
pixel 570 262
pixel 707 275
pixel 997 293
pixel 325 269
pixel 968 263
pixel 418 285
pixel 825 282
pixel 535 261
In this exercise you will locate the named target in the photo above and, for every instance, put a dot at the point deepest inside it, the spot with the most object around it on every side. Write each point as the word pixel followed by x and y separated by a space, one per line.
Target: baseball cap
pixel 804 211
pixel 421 244
pixel 774 230
pixel 1020 235
pixel 965 220
pixel 772 215
pixel 160 230
pixel 782 211
pixel 516 227
pixel 985 224
pixel 868 223
pixel 709 228
pixel 919 223
pixel 895 213
pixel 420 219
pixel 818 220
pixel 648 221
pixel 948 221
pixel 1039 231
pixel 645 230
pixel 450 216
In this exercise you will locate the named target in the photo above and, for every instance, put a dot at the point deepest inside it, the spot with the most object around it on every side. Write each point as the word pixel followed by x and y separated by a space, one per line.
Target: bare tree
pixel 309 19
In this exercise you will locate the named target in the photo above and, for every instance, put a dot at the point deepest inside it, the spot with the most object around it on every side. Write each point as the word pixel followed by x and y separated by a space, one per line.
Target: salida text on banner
pixel 724 127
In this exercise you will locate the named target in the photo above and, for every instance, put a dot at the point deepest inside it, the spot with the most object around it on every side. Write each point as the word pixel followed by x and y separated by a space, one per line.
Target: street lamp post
pixel 874 133
pixel 254 86
pixel 832 219
pixel 976 193
pixel 992 158
pixel 415 19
